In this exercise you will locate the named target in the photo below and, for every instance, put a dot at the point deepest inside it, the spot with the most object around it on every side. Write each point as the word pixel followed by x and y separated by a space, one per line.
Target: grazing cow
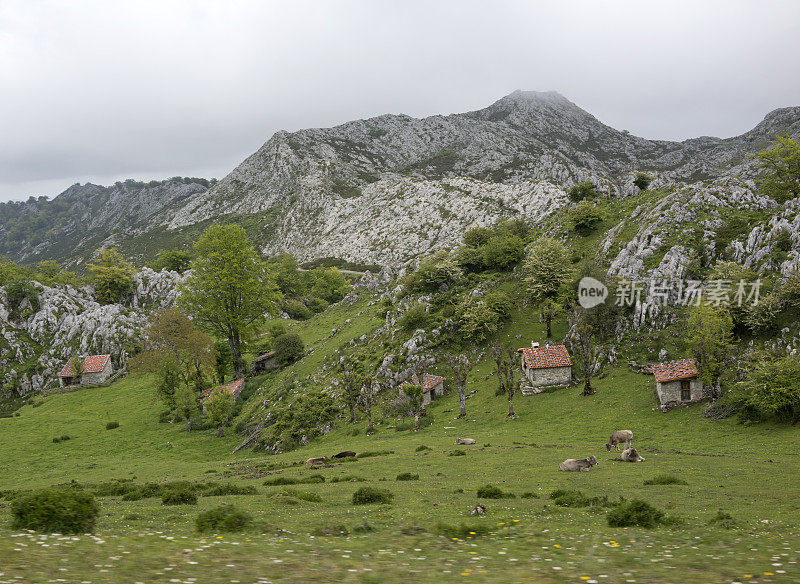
pixel 478 510
pixel 631 455
pixel 618 438
pixel 465 440
pixel 313 461
pixel 344 454
pixel 574 464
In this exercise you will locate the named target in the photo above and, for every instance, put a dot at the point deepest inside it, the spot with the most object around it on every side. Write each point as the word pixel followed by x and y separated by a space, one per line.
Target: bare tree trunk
pixel 548 318
pixel 462 400
pixel 416 419
pixel 587 387
pixel 511 413
pixel 235 344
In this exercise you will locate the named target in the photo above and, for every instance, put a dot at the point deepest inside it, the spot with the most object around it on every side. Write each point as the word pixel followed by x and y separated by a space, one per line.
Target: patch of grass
pixel 529 495
pixel 461 530
pixel 665 479
pixel 370 453
pixel 370 495
pixel 278 481
pixel 493 492
pixel 302 495
pixel 421 448
pixel 112 425
pixel 723 519
pixel 407 476
pixel 456 453
pixel 55 511
pixel 573 498
pixel 636 513
pixel 225 518
pixel 229 489
pixel 347 479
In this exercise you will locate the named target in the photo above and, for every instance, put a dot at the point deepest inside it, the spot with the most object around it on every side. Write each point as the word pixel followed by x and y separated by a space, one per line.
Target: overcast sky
pixel 102 91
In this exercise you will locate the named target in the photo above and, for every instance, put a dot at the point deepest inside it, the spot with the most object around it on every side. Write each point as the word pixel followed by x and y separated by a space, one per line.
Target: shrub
pixel 437 271
pixel 112 276
pixel 347 479
pixel 407 476
pixel 289 348
pixel 225 518
pixel 113 488
pixel 477 321
pixel 421 448
pixel 416 317
pixel 569 498
pixel 665 479
pixel 503 253
pixel 585 217
pixel 177 260
pixel 462 530
pixel 314 479
pixel 635 513
pixel 581 191
pixel 363 528
pixel 642 180
pixel 330 529
pixel 277 481
pixel 476 237
pixel 302 495
pixel 723 519
pixel 179 497
pixel 55 511
pixel 56 440
pixel 370 453
pixel 112 425
pixel 493 492
pixel 316 304
pixel 229 489
pixel 297 310
pixel 529 495
pixel 456 453
pixel 368 495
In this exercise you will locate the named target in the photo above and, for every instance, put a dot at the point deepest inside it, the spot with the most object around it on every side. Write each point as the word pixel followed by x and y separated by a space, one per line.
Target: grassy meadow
pixel 313 532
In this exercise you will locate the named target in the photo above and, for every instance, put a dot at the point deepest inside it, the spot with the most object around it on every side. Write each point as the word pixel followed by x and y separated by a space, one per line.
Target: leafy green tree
pixel 510 367
pixel 711 338
pixel 642 181
pixel 504 252
pixel 476 321
pixel 111 276
pixel 433 273
pixel 780 169
pixel 582 191
pixel 547 269
pixel 604 317
pixel 471 259
pixel 351 374
pixel 176 260
pixel 218 407
pixel 224 360
pixel 476 237
pixel 329 284
pixel 460 365
pixel 287 275
pixel 512 228
pixel 172 349
pixel 773 389
pixel 229 290
pixel 415 401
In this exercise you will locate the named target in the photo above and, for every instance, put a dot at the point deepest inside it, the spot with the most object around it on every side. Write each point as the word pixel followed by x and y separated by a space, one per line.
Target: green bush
pixel 642 180
pixel 55 511
pixel 503 253
pixel 462 530
pixel 635 513
pixel 347 479
pixel 585 218
pixel 368 495
pixel 112 425
pixel 456 453
pixel 289 348
pixel 113 488
pixel 416 317
pixel 407 476
pixel 297 310
pixel 316 304
pixel 665 479
pixel 229 489
pixel 421 448
pixel 226 518
pixel 493 492
pixel 278 481
pixel 302 495
pixel 179 497
pixel 371 453
pixel 529 495
pixel 582 190
pixel 476 237
pixel 722 519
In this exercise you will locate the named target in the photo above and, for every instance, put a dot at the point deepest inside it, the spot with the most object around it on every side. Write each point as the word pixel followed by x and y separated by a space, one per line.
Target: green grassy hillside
pixel 747 471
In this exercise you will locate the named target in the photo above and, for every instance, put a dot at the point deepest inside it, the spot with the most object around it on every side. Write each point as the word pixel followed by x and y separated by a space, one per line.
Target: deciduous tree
pixel 547 269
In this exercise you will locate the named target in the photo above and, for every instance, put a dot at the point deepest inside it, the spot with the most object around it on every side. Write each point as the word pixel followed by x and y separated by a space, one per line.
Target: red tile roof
pixel 91 364
pixel 431 381
pixel 264 356
pixel 234 388
pixel 674 370
pixel 546 356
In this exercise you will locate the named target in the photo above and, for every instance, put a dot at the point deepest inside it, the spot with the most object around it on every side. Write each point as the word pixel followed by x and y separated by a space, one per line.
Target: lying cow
pixel 630 455
pixel 618 438
pixel 345 454
pixel 465 440
pixel 575 464
pixel 313 461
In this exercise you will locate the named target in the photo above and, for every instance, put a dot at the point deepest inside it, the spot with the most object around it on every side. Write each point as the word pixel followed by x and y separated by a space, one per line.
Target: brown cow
pixel 630 455
pixel 465 440
pixel 313 461
pixel 574 464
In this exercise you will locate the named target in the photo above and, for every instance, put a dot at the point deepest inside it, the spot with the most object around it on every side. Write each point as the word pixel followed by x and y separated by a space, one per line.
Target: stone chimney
pixel 534 344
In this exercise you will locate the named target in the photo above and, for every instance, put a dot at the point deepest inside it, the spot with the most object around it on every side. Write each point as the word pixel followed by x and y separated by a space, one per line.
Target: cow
pixel 574 464
pixel 465 440
pixel 631 455
pixel 345 454
pixel 618 438
pixel 319 460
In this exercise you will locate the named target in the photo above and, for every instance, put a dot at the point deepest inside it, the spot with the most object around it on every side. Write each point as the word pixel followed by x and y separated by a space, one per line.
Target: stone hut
pixel 677 383
pixel 96 369
pixel 545 366
pixel 263 363
pixel 432 385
